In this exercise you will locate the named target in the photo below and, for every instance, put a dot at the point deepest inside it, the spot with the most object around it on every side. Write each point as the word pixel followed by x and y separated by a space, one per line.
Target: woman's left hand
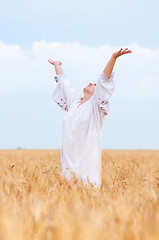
pixel 54 62
pixel 121 52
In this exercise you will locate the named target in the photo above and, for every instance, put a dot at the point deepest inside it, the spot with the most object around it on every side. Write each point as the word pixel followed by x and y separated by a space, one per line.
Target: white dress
pixel 81 143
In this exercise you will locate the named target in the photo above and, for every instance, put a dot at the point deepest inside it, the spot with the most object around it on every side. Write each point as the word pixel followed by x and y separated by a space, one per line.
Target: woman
pixel 81 145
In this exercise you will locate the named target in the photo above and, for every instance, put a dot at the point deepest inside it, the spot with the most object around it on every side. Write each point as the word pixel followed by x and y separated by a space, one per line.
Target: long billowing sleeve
pixel 64 95
pixel 103 91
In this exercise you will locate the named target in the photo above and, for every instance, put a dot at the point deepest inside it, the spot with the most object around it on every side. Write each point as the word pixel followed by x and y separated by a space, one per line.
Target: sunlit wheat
pixel 36 202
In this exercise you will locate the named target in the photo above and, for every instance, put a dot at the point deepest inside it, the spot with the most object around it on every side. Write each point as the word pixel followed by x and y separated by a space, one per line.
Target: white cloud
pixel 9 51
pixel 136 74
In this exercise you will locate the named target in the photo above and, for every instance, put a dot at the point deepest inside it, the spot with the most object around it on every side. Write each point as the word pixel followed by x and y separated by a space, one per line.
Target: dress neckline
pixel 82 103
pixel 79 105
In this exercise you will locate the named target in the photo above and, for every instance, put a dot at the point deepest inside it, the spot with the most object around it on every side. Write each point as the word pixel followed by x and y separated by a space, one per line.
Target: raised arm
pixel 105 84
pixel 110 65
pixel 63 95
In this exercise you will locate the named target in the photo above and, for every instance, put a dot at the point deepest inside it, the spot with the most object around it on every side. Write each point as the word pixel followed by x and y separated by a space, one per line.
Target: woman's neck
pixel 85 98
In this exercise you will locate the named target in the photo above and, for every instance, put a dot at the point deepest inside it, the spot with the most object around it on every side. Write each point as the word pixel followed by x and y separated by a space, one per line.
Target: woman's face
pixel 89 89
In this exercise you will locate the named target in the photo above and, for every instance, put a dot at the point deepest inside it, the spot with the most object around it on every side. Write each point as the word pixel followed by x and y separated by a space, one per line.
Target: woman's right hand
pixel 54 62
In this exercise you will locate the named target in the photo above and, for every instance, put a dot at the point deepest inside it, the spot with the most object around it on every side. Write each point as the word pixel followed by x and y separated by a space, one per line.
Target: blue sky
pixel 91 22
pixel 83 35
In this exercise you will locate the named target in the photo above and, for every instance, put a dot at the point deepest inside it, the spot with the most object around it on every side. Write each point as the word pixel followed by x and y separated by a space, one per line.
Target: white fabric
pixel 81 144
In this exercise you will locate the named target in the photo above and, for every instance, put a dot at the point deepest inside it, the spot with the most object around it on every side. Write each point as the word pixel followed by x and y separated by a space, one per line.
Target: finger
pixel 120 50
pixel 124 50
pixel 50 61
pixel 129 51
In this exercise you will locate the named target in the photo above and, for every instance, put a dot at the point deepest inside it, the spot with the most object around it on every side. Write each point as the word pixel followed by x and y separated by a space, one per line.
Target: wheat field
pixel 36 202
